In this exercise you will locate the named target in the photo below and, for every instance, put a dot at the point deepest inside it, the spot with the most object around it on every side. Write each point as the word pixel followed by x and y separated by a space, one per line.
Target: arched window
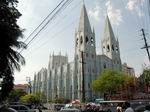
pixel 116 48
pixel 81 39
pixel 113 47
pixel 77 42
pixel 87 40
pixel 108 48
pixel 92 41
pixel 104 65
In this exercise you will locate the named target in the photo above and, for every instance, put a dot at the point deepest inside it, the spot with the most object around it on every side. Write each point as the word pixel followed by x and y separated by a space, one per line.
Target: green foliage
pixel 111 82
pixel 59 100
pixel 30 98
pixel 41 96
pixel 144 79
pixel 15 95
pixel 146 76
pixel 62 100
pixel 10 58
pixel 108 82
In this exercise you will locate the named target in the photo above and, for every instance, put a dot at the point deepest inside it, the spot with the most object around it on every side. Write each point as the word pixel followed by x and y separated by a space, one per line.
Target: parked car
pixel 6 109
pixel 21 108
pixel 70 110
pixel 57 107
pixel 12 110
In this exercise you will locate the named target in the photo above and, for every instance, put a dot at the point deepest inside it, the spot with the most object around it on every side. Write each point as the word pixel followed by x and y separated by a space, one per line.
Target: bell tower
pixel 85 57
pixel 110 46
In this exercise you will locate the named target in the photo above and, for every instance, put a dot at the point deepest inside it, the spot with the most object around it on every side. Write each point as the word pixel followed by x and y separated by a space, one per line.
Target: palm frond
pixel 13 63
pixel 19 44
pixel 17 56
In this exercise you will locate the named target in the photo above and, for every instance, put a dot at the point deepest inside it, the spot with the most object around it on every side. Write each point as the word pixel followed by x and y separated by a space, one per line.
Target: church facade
pixel 72 80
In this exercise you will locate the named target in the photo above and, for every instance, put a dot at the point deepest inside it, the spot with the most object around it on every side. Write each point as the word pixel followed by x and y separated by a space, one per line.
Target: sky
pixel 127 18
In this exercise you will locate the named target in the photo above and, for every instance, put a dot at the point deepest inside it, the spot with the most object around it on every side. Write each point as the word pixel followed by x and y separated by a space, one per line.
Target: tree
pixel 145 79
pixel 30 98
pixel 15 95
pixel 10 58
pixel 110 82
pixel 129 86
pixel 41 96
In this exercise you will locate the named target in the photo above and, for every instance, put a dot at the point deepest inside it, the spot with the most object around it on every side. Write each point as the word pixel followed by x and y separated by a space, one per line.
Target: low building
pixel 24 87
pixel 128 70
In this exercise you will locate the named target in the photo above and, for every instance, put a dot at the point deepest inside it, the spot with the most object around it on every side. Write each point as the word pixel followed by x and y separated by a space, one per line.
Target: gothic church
pixel 65 79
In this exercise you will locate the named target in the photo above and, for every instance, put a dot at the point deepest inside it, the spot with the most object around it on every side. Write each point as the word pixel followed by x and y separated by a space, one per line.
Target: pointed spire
pixel 93 31
pixel 117 38
pixel 84 23
pixel 108 32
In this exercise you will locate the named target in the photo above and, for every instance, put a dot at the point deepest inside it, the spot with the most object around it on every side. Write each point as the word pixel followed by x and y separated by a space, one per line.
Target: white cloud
pixel 114 14
pixel 95 13
pixel 134 6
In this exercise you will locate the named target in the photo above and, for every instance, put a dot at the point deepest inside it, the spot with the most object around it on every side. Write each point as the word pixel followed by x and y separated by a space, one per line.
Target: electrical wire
pixel 43 21
pixel 64 5
pixel 48 21
pixel 59 32
pixel 54 36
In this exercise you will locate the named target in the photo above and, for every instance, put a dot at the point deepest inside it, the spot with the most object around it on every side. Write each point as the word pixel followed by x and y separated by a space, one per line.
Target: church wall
pixel 34 86
pixel 64 76
pixel 49 85
pixel 64 79
pixel 103 62
pixel 44 83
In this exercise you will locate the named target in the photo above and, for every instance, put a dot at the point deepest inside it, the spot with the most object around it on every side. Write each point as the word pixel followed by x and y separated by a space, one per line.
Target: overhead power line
pixel 53 15
pixel 43 21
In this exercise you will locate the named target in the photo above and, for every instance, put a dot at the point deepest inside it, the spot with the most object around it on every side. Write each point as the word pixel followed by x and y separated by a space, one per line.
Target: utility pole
pixel 29 82
pixel 146 45
pixel 83 77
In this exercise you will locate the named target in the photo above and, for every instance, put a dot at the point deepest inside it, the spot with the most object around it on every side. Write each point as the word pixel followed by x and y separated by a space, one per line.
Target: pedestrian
pixel 128 107
pixel 147 108
pixel 119 107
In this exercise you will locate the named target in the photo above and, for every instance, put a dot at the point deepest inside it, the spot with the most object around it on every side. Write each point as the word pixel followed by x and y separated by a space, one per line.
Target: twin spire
pixel 108 32
pixel 84 24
